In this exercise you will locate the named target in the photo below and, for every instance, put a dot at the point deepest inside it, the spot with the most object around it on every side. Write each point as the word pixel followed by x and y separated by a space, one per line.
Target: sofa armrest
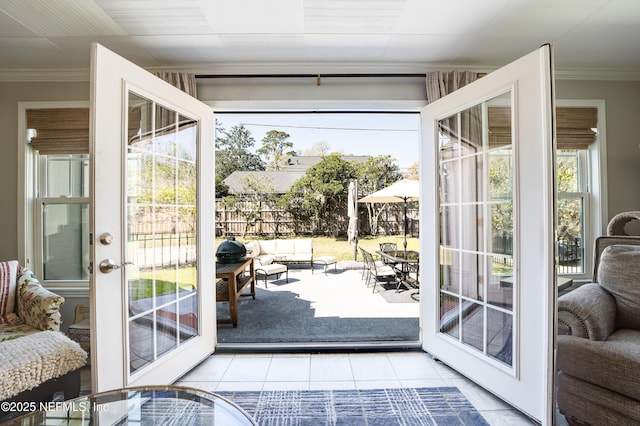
pixel 588 311
pixel 612 365
pixel 37 306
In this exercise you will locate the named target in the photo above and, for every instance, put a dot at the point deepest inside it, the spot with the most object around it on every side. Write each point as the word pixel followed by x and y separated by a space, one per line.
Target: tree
pixel 413 172
pixel 320 149
pixel 374 174
pixel 276 148
pixel 222 189
pixel 569 208
pixel 233 151
pixel 320 196
pixel 257 192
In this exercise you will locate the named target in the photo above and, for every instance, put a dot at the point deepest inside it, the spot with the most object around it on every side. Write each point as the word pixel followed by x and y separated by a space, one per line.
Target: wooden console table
pixel 233 279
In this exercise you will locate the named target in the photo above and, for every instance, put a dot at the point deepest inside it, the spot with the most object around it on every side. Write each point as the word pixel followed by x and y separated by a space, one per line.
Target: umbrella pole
pixel 355 231
pixel 405 225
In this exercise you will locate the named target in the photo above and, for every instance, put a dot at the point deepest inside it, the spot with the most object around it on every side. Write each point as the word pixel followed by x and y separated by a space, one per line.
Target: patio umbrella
pixel 402 191
pixel 352 213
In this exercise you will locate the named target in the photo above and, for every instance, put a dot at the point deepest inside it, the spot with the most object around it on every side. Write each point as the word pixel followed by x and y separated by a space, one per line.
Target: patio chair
pixel 379 272
pixel 366 270
pixel 385 247
pixel 408 275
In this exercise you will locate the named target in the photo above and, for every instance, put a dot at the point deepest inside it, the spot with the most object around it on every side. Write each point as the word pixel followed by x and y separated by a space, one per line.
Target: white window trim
pixel 27 191
pixel 597 191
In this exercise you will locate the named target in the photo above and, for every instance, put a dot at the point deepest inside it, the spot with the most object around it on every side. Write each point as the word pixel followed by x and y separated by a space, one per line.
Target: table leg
pixel 233 300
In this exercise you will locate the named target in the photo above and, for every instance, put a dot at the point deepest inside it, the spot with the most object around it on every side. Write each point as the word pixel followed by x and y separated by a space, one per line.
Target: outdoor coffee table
pixel 234 280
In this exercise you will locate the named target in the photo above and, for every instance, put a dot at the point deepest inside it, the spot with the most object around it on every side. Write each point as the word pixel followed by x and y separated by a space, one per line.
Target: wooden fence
pixel 267 220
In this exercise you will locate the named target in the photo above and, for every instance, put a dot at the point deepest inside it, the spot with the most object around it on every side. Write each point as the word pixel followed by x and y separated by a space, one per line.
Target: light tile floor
pixel 250 372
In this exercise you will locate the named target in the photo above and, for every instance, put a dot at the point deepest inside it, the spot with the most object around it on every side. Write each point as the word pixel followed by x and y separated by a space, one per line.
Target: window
pixel 573 210
pixel 62 217
pixel 54 220
pixel 580 173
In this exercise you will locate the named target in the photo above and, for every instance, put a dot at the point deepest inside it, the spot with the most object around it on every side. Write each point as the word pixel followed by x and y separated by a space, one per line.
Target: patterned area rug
pixel 403 406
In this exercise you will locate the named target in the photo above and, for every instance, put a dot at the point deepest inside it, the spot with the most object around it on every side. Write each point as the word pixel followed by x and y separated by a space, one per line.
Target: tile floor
pixel 245 372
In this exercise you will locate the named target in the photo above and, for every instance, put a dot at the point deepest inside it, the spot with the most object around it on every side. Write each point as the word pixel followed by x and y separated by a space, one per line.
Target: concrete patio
pixel 318 308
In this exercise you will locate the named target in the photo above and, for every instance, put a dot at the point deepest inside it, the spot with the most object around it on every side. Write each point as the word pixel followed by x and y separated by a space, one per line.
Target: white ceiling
pixel 213 35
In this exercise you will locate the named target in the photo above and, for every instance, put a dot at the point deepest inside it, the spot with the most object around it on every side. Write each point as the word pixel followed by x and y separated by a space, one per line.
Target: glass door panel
pixel 152 218
pixel 466 241
pixel 161 201
pixel 487 218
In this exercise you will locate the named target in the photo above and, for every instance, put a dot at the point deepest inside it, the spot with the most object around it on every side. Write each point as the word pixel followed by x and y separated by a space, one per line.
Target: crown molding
pixel 602 74
pixel 82 75
pixel 44 75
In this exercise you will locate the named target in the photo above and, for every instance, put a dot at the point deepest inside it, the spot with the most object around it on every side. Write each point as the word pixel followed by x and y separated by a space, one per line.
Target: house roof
pixel 280 181
pixel 289 35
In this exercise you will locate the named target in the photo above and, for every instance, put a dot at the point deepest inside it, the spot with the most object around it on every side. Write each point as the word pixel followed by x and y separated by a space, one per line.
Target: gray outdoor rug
pixel 380 407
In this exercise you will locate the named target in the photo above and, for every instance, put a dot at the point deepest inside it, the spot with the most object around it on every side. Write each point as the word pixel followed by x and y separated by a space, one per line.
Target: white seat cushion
pixel 273 268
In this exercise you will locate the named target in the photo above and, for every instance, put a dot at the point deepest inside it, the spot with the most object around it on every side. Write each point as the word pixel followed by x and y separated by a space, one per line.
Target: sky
pixel 397 135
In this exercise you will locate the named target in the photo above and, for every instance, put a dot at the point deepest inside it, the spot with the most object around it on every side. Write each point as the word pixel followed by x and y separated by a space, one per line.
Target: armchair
pixel 598 351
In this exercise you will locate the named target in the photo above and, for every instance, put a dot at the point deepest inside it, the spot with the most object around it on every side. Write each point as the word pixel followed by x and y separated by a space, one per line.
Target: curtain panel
pixel 441 83
pixel 182 80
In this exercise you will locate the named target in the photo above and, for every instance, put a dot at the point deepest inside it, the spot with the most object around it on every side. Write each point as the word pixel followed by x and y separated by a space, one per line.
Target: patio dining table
pixel 405 263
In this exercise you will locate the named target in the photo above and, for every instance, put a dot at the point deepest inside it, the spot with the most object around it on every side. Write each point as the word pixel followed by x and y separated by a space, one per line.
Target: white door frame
pixel 528 384
pixel 112 78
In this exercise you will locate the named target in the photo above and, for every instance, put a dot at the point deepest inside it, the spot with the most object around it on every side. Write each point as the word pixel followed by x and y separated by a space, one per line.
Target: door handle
pixel 109 265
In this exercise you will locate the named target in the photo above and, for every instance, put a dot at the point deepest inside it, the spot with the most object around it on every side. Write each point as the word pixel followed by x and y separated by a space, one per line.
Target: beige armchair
pixel 598 352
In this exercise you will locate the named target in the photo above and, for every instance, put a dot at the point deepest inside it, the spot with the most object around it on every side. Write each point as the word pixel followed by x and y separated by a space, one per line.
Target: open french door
pixel 488 232
pixel 152 226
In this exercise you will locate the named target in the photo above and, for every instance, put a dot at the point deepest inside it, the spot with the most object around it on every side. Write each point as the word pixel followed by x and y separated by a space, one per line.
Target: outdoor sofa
pixel 266 252
pixel 37 361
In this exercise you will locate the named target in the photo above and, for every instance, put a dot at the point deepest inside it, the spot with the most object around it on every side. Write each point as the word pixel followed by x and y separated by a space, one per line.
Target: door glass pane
pixel 473 324
pixel 500 336
pixel 449 314
pixel 161 224
pixel 476 228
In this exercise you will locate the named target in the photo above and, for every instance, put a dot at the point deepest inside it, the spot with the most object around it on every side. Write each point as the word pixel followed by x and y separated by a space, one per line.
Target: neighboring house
pixel 282 180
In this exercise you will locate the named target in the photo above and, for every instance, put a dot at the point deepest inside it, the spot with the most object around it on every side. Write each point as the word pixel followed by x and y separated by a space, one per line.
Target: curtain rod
pixel 319 75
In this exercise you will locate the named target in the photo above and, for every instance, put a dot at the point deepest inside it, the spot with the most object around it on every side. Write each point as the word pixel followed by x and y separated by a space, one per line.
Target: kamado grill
pixel 231 251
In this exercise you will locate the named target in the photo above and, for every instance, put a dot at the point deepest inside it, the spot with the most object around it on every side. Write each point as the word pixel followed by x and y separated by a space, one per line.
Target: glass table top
pixel 150 405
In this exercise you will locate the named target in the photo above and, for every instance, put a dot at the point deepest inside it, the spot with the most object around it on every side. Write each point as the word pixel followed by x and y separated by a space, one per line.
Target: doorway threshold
pixel 315 347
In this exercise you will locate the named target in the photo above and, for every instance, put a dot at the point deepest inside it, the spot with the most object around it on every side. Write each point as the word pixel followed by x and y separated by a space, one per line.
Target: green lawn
pixel 340 247
pixel 322 246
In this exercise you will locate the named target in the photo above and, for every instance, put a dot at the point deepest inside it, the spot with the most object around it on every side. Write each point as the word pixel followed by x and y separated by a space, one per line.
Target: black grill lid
pixel 231 251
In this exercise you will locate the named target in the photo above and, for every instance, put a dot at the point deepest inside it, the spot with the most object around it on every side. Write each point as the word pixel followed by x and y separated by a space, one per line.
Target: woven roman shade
pixel 59 130
pixel 573 126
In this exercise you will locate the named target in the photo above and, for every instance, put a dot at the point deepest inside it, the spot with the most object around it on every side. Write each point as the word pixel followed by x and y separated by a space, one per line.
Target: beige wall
pixel 11 94
pixel 622 105
pixel 622 114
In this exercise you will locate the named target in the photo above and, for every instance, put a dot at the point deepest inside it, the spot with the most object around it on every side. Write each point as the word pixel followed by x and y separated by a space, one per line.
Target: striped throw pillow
pixel 8 275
